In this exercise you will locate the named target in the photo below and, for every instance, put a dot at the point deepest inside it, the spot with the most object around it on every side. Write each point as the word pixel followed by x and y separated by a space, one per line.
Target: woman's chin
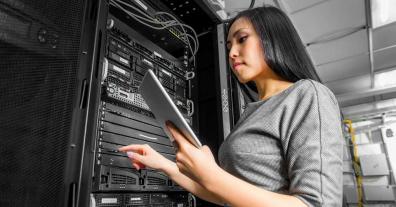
pixel 243 80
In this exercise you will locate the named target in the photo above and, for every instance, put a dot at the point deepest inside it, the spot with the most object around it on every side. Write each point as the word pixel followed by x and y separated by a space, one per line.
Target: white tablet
pixel 163 108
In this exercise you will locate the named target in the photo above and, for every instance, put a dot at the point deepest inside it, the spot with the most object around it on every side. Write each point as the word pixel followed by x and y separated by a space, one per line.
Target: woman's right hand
pixel 143 156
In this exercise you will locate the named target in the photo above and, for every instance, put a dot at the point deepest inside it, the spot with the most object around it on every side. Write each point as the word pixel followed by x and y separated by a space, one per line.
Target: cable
pixel 194 38
pixel 147 20
pixel 356 163
pixel 177 23
pixel 137 18
pixel 193 52
pixel 216 3
pixel 152 20
pixel 252 4
pixel 182 26
pixel 168 23
pixel 148 17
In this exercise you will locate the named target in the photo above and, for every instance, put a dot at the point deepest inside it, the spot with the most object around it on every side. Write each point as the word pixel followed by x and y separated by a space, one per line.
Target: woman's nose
pixel 233 53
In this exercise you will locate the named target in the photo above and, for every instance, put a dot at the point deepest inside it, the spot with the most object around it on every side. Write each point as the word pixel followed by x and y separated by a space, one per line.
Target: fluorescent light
pixel 383 12
pixel 385 79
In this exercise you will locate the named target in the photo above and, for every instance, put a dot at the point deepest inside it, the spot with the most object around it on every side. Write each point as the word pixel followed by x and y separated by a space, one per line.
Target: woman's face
pixel 246 55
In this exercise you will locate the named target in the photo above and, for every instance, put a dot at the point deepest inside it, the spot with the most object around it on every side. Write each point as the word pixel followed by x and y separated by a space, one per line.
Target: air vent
pixel 122 179
pixel 155 181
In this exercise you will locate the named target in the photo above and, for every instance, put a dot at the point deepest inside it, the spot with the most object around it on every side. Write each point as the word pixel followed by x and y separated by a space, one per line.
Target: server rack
pixel 126 49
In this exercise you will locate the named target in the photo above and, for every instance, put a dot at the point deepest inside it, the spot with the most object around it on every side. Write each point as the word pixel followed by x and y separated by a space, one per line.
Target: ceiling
pixel 346 52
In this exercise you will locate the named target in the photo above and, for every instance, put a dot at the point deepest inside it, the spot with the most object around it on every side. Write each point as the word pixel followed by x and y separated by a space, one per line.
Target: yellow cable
pixel 356 163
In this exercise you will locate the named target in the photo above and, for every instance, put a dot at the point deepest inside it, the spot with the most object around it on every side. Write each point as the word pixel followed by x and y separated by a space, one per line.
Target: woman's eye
pixel 242 39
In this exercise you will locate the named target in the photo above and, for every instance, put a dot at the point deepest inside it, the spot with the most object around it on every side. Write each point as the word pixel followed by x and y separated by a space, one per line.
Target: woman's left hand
pixel 196 163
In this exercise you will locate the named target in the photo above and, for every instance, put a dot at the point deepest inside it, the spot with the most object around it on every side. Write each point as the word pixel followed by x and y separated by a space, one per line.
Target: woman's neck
pixel 268 87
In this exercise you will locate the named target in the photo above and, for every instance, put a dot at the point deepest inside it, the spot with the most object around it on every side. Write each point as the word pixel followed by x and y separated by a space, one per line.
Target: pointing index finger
pixel 133 147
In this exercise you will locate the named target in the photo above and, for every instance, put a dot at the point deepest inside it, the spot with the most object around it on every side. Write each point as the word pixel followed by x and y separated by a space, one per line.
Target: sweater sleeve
pixel 313 148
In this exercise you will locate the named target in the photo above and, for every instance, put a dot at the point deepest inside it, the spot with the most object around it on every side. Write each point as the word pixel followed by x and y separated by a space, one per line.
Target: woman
pixel 286 148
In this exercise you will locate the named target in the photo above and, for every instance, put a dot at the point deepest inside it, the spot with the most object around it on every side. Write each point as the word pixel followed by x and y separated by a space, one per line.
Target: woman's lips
pixel 236 65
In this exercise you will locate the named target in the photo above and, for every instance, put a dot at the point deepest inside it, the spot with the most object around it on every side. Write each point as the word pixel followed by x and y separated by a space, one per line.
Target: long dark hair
pixel 283 49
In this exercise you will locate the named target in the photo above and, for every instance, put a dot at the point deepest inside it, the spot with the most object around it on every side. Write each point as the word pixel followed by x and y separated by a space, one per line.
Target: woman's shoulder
pixel 310 85
pixel 317 89
pixel 303 94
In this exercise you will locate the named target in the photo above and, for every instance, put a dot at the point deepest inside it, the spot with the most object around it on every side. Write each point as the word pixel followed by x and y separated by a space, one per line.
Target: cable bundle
pixel 159 23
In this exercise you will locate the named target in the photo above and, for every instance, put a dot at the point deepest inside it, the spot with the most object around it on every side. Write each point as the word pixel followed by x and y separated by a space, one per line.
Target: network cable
pixel 193 38
pixel 140 18
pixel 155 21
pixel 157 24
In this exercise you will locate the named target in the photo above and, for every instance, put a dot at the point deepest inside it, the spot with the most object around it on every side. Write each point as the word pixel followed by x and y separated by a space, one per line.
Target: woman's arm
pixel 237 192
pixel 190 185
pixel 144 156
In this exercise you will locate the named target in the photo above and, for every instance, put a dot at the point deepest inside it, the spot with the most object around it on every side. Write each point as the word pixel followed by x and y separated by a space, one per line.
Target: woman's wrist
pixel 210 182
pixel 169 168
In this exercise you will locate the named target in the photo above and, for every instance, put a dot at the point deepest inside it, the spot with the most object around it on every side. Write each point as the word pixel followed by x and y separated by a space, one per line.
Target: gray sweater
pixel 290 143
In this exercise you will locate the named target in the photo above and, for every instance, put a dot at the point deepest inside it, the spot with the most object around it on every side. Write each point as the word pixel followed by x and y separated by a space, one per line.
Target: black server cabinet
pixel 46 57
pixel 70 73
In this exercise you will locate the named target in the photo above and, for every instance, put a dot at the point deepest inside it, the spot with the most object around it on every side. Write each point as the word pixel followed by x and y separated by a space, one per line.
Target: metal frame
pixel 95 23
pixel 370 40
pixel 223 84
